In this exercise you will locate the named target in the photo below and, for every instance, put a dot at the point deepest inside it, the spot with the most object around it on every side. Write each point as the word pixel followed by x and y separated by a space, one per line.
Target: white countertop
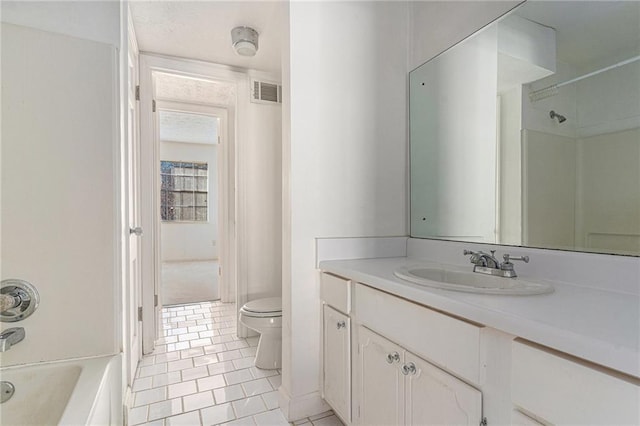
pixel 597 325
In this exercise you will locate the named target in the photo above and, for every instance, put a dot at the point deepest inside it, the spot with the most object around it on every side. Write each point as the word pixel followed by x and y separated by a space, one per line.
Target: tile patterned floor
pixel 201 373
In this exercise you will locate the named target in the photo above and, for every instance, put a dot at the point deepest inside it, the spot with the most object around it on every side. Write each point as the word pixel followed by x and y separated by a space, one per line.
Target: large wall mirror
pixel 528 132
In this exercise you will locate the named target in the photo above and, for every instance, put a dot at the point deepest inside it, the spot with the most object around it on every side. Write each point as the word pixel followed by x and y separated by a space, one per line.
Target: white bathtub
pixel 75 392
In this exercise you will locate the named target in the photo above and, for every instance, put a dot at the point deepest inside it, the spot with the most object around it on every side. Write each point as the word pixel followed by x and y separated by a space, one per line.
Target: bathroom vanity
pixel 397 352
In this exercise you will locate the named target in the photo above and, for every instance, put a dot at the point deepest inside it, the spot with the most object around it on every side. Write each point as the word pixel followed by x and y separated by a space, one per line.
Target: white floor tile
pixel 215 348
pixel 152 370
pixel 201 342
pixel 239 376
pixel 164 409
pixel 150 396
pixel 181 389
pixel 259 373
pixel 138 415
pixel 191 352
pixel 271 418
pixel 205 359
pixel 142 383
pixel 217 414
pixel 245 421
pixel 180 364
pixel 321 415
pixel 256 387
pixel 328 421
pixel 228 393
pixel 248 406
pixel 197 401
pixel 211 382
pixel 221 367
pixel 249 352
pixel 270 399
pixel 275 381
pixel 194 373
pixel 168 356
pixel 237 344
pixel 155 423
pixel 241 363
pixel 221 339
pixel 187 419
pixel 229 355
pixel 166 379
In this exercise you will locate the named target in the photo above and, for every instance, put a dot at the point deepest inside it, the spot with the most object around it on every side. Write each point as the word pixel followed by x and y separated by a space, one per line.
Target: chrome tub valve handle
pixel 10 337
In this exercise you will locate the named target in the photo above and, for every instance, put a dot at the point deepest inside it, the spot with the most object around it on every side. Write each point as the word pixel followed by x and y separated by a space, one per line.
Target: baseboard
pixel 302 406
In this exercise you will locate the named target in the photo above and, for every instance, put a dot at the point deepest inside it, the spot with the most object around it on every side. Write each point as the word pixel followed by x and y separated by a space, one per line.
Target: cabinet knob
pixel 409 369
pixel 393 357
pixel 341 324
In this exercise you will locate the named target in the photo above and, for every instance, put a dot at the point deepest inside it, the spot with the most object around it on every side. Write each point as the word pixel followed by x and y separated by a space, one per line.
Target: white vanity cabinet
pixel 337 361
pixel 396 387
pixel 555 388
pixel 336 349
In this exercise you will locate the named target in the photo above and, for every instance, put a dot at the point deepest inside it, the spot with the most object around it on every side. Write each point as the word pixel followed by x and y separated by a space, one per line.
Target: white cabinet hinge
pixel 137 93
pixel 139 313
pixel 484 422
pixel 155 300
pixel 153 105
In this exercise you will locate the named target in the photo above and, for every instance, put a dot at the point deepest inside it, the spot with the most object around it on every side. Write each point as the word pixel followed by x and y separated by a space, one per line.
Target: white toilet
pixel 265 317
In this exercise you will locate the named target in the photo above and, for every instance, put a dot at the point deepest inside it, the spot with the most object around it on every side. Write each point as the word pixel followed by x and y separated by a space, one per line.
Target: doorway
pixel 188 137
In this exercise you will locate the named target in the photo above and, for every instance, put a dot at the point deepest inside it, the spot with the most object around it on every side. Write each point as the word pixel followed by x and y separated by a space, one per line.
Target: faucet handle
pixel 507 258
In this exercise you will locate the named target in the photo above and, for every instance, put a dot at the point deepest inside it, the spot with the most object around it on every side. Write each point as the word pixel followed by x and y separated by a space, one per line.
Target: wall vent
pixel 266 92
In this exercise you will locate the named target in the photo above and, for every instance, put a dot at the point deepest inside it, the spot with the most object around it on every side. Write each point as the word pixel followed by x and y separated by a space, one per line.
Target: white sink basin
pixel 471 282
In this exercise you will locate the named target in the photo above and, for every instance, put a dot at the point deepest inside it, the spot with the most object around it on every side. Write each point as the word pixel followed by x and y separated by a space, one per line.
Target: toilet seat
pixel 263 308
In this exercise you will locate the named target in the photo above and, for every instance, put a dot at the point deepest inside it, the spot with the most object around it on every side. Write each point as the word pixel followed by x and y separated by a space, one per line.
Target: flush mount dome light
pixel 245 41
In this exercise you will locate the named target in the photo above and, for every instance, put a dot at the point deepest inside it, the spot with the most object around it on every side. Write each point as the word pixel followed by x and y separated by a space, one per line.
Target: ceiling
pixel 202 30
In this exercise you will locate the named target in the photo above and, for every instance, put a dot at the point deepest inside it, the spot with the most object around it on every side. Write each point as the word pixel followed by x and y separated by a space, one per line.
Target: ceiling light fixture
pixel 245 41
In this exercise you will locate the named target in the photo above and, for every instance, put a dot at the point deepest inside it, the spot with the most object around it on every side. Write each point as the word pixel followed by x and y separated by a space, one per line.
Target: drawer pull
pixel 393 357
pixel 341 324
pixel 409 369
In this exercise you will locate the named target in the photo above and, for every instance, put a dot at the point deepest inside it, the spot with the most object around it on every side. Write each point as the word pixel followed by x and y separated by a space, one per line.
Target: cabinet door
pixel 379 380
pixel 337 362
pixel 434 397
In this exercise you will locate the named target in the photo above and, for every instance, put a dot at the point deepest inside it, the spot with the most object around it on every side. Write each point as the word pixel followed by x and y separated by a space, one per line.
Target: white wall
pixel 344 160
pixel 262 174
pixel 608 193
pixel 549 190
pixel 192 241
pixel 89 20
pixel 59 189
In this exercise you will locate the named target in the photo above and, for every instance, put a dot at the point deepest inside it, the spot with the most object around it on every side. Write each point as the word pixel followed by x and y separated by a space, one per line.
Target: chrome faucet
pixel 485 263
pixel 10 337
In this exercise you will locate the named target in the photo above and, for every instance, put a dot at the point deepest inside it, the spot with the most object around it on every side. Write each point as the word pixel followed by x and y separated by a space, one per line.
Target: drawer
pixel 336 291
pixel 448 342
pixel 561 389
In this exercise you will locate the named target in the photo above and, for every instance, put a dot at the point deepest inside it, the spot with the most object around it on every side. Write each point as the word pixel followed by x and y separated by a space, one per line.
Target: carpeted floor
pixel 189 282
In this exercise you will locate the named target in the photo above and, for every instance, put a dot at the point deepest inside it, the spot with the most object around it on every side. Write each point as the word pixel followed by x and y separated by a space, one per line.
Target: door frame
pixel 230 204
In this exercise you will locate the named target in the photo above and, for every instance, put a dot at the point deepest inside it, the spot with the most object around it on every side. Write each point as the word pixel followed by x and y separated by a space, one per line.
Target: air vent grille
pixel 265 92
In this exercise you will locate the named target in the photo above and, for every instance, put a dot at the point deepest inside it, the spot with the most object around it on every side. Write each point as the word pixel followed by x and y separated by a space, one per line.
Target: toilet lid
pixel 268 305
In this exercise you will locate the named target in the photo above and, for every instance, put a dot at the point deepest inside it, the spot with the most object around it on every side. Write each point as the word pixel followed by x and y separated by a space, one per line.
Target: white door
pixel 434 397
pixel 132 202
pixel 380 383
pixel 337 362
